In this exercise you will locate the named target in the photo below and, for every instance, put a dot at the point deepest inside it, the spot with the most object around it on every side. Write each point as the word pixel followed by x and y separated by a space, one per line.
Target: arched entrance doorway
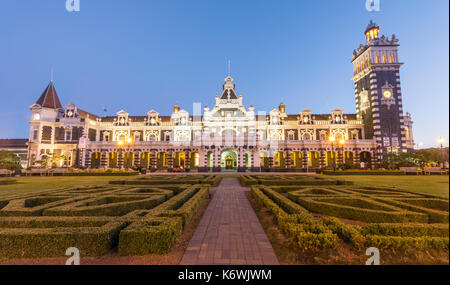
pixel 366 160
pixel 228 159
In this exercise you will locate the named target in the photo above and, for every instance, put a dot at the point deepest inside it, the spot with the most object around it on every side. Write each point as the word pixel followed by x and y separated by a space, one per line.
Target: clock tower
pixel 378 94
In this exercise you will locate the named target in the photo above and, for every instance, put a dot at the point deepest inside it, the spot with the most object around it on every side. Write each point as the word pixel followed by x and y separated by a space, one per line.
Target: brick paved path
pixel 229 231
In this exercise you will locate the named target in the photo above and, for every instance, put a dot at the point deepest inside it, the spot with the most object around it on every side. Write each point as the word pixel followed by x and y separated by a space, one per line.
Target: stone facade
pixel 230 136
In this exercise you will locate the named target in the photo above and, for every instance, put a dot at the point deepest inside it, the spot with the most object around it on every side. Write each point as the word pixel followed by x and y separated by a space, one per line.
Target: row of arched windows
pixel 384 59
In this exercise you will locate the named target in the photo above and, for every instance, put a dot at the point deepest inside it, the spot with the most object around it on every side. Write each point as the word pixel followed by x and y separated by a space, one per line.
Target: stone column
pixel 288 158
pixel 120 159
pixel 340 158
pixel 137 158
pixel 216 162
pixel 305 159
pixel 104 160
pixel 153 160
pixel 170 159
pixel 241 160
pixel 187 159
pixel 270 160
pixel 322 157
pixel 356 157
pixel 256 161
pixel 87 158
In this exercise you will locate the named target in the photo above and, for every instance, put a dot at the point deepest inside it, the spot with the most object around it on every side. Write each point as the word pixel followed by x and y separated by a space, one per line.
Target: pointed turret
pixel 49 99
pixel 228 89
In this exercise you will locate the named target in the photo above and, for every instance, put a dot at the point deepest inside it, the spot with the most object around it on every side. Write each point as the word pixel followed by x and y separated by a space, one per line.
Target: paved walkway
pixel 229 231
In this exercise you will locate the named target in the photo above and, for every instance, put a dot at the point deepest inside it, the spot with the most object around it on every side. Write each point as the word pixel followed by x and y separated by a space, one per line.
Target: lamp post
pixel 122 143
pixel 332 139
pixel 342 143
pixel 441 142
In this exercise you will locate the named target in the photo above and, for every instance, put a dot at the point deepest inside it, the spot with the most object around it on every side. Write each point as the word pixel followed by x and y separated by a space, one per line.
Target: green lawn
pixel 435 184
pixel 29 185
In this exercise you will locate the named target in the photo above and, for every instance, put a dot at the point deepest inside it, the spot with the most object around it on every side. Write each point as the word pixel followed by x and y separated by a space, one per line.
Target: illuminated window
pixel 68 135
pixel 377 59
pixel 367 62
pixel 391 59
pixel 362 65
pixel 357 69
pixel 384 58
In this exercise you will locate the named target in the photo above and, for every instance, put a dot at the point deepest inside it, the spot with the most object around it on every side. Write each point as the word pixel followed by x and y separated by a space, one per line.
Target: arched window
pixel 306 137
pixel 357 69
pixel 152 138
pixel 362 65
pixel 367 62
pixel 377 59
pixel 391 58
pixel 384 58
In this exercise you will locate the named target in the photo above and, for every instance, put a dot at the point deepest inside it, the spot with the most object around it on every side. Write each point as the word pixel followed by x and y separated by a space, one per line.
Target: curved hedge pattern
pixel 397 218
pixel 139 219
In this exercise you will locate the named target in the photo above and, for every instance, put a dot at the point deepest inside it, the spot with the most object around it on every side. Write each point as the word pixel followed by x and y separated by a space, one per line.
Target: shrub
pixel 38 239
pixel 364 172
pixel 150 235
pixel 407 230
pixel 420 243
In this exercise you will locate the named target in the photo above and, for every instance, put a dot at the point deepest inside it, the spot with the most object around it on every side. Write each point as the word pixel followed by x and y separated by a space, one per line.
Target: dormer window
pixel 153 118
pixel 122 118
pixel 337 116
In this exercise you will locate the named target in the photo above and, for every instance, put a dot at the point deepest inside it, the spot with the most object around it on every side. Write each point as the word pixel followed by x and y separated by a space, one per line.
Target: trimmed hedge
pixel 364 172
pixel 420 243
pixel 130 173
pixel 162 225
pixel 360 214
pixel 393 208
pixel 45 237
pixel 407 230
pixel 7 181
pixel 289 180
pixel 105 206
pixel 151 235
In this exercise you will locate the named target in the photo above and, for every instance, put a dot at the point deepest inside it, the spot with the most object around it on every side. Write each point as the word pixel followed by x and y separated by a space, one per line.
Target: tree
pixel 9 160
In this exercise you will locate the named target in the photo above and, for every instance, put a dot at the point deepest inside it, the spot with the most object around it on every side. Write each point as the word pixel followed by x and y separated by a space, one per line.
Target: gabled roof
pixel 49 99
pixel 228 89
pixel 229 92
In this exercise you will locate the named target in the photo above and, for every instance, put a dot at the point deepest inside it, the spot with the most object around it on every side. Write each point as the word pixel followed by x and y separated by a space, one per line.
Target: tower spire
pixel 51 75
pixel 229 68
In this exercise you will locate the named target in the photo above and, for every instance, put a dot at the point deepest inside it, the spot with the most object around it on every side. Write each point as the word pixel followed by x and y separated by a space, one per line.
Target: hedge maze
pixel 137 219
pixel 312 215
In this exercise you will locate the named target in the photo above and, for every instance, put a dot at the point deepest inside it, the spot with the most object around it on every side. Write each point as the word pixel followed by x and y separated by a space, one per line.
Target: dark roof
pixel 13 143
pixel 49 99
pixel 225 94
pixel 371 25
pixel 83 114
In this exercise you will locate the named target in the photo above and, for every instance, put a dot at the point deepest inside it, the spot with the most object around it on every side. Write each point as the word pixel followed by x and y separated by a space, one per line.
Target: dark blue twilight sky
pixel 140 55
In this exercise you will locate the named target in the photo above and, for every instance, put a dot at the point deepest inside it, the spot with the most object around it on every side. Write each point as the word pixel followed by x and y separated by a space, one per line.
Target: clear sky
pixel 139 55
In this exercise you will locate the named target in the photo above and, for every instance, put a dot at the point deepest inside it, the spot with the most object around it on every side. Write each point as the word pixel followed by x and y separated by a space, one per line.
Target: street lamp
pixel 342 142
pixel 332 139
pixel 441 142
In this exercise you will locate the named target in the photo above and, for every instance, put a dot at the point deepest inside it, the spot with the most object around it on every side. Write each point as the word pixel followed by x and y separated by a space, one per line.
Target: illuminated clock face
pixel 152 121
pixel 305 120
pixel 37 117
pixel 387 94
pixel 69 113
